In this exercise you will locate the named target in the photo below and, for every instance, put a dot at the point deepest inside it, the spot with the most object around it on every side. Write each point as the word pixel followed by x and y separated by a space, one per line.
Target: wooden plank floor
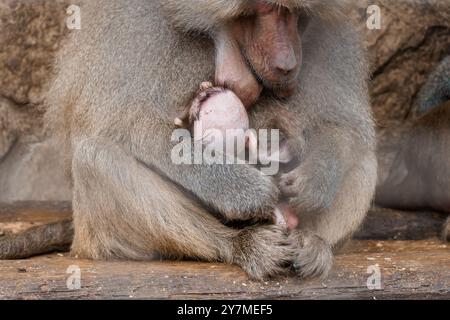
pixel 411 269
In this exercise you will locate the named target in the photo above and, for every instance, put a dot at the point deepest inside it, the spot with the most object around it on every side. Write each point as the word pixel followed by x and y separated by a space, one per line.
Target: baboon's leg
pixel 337 223
pixel 123 209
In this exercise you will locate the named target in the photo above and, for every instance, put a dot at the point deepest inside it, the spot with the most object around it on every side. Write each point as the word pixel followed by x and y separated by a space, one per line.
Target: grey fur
pixel 417 176
pixel 437 88
pixel 121 81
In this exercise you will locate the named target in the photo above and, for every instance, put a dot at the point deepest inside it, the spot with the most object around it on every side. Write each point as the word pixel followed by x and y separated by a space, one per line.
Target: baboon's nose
pixel 285 62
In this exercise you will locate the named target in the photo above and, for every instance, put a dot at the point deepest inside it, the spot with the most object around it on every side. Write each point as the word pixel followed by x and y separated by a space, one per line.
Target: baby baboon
pixel 217 110
pixel 123 78
pixel 214 108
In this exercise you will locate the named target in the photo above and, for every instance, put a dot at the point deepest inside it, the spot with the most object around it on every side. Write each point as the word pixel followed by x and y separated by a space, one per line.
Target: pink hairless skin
pixel 220 109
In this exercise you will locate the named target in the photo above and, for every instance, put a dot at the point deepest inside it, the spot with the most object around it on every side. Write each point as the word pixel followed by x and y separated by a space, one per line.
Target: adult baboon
pixel 123 78
pixel 416 174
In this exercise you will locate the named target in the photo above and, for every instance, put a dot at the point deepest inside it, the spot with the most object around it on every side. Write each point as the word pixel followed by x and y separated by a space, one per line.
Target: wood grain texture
pixel 418 269
pixel 409 269
pixel 382 223
pixel 19 216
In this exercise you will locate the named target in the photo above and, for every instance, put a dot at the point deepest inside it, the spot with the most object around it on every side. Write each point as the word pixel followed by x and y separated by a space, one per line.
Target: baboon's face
pixel 270 42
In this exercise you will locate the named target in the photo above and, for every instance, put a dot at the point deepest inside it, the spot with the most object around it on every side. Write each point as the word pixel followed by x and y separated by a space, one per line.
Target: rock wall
pixel 30 34
pixel 414 37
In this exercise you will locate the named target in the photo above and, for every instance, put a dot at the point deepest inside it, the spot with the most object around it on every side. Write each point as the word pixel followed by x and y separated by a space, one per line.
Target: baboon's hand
pixel 245 194
pixel 314 257
pixel 313 185
pixel 265 251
